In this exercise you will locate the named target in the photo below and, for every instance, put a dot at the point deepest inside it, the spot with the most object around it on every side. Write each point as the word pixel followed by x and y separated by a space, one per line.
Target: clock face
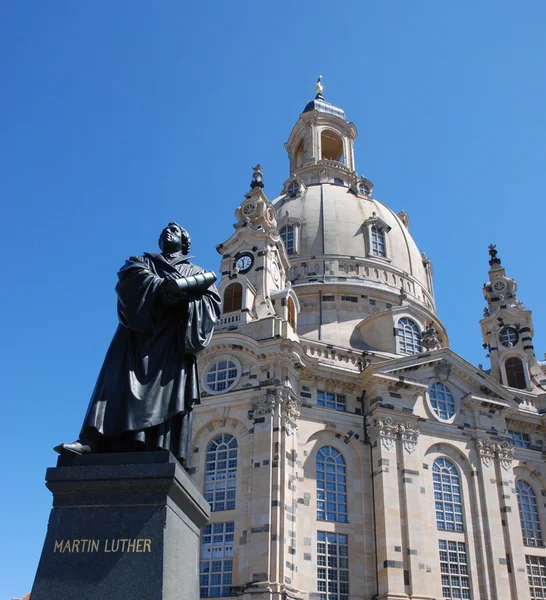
pixel 499 286
pixel 244 262
pixel 275 272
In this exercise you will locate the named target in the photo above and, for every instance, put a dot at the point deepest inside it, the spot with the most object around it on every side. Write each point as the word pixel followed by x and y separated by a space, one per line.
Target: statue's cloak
pixel 149 375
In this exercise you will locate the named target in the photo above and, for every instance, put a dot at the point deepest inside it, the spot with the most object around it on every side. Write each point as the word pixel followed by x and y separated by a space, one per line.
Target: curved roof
pixel 332 221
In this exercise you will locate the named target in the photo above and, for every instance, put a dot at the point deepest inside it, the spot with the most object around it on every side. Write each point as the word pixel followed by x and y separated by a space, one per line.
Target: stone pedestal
pixel 123 526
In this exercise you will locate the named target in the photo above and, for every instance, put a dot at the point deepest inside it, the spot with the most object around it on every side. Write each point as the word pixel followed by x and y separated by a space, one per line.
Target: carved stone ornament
pixel 489 450
pixel 263 405
pixel 429 338
pixel 290 409
pixel 409 434
pixel 505 454
pixel 486 450
pixel 442 370
pixel 387 432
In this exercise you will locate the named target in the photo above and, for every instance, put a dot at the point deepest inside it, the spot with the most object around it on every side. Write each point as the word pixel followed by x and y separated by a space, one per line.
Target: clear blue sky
pixel 117 117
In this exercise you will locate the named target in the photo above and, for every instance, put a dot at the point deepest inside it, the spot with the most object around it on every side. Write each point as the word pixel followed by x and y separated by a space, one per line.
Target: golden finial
pixel 319 87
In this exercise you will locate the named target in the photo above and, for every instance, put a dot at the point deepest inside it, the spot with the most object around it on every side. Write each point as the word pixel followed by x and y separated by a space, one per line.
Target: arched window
pixel 441 400
pixel 409 336
pixel 300 154
pixel 447 495
pixel 515 374
pixel 287 236
pixel 331 485
pixel 291 313
pixel 233 297
pixel 528 514
pixel 220 472
pixel 378 241
pixel 331 146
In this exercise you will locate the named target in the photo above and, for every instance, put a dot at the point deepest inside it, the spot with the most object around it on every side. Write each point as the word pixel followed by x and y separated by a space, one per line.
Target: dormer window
pixel 378 241
pixel 287 236
pixel 293 189
pixel 409 337
pixel 376 238
pixel 362 189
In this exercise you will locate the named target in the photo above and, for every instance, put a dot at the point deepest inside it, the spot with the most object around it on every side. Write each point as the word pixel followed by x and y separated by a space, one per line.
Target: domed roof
pixel 335 223
pixel 320 105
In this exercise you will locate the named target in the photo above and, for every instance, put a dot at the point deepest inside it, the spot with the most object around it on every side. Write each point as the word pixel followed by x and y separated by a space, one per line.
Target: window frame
pixel 530 492
pixel 212 531
pixel 215 361
pixel 332 497
pixel 221 475
pixel 233 285
pixel 445 496
pixel 288 221
pixel 450 574
pixel 330 564
pixel 380 225
pixel 430 401
pixel 399 337
pixel 339 401
pixel 525 367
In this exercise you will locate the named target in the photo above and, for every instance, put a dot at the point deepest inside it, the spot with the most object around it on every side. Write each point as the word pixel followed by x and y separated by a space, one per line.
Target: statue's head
pixel 174 238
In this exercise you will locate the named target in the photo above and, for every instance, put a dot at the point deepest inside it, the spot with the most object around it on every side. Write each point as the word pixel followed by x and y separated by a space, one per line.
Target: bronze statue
pixel 148 384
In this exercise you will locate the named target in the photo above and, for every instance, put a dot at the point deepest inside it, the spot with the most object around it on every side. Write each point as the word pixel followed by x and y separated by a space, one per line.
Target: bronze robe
pixel 148 383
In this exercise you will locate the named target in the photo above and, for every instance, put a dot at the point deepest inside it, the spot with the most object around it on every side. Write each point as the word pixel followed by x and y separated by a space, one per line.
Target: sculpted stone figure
pixel 148 384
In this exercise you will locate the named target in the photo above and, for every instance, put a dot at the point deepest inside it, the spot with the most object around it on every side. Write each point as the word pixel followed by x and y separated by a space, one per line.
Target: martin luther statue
pixel 148 384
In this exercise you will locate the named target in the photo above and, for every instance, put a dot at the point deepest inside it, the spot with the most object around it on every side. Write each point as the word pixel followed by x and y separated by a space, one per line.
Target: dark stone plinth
pixel 123 526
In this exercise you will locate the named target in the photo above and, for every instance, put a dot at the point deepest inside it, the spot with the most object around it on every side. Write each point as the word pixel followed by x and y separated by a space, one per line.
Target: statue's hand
pixel 170 293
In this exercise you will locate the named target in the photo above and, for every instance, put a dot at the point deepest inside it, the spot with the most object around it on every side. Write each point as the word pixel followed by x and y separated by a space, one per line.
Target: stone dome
pixel 334 225
pixel 355 268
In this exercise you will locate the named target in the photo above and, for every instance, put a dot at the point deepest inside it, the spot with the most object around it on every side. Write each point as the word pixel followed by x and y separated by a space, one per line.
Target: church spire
pixel 507 329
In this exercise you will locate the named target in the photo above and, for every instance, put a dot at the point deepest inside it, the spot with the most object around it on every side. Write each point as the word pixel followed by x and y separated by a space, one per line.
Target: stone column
pixel 511 525
pixel 265 462
pixel 418 524
pixel 122 526
pixel 383 433
pixel 492 531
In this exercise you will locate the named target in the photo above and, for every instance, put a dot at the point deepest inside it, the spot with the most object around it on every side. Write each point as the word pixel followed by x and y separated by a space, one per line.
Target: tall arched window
pixel 233 297
pixel 409 336
pixel 447 495
pixel 292 313
pixel 515 374
pixel 331 485
pixel 220 472
pixel 287 236
pixel 331 146
pixel 378 241
pixel 528 514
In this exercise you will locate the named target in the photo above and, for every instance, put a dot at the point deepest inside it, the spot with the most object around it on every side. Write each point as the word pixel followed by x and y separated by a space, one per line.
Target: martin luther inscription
pixel 84 545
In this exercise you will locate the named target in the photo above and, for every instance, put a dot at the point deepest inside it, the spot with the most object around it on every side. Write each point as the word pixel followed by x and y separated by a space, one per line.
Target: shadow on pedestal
pixel 123 526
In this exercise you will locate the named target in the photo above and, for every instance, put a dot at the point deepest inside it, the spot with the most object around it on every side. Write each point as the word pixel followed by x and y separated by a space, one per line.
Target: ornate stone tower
pixel 507 329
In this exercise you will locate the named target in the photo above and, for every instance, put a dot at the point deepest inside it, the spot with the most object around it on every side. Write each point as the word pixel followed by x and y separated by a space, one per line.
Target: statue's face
pixel 171 238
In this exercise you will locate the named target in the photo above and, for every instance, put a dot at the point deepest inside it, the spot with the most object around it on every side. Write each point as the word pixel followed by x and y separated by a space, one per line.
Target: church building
pixel 346 451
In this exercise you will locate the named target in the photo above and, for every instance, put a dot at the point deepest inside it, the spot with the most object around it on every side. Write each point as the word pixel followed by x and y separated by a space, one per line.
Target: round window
pixel 441 401
pixel 509 337
pixel 222 375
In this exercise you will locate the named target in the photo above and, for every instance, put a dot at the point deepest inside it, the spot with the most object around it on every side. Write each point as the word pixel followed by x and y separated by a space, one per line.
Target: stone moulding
pixel 386 431
pixel 489 450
